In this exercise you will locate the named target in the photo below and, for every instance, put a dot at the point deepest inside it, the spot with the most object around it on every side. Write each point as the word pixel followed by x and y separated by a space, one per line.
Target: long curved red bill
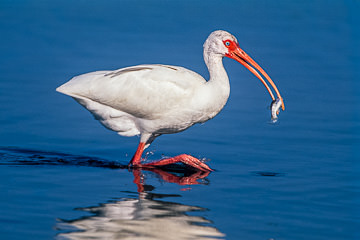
pixel 239 55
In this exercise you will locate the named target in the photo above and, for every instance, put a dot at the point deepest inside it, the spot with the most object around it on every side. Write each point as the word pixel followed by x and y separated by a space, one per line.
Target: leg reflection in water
pixel 188 177
pixel 143 217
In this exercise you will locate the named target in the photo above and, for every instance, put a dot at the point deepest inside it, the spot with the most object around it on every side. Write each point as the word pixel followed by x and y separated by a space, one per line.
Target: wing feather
pixel 144 91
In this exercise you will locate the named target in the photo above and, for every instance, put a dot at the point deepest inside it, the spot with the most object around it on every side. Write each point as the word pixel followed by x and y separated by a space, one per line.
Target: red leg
pixel 136 159
pixel 184 158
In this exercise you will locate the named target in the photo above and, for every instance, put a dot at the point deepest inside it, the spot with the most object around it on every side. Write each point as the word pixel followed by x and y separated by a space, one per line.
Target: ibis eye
pixel 227 43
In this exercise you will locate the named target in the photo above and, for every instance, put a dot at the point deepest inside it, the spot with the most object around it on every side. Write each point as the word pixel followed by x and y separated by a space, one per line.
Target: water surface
pixel 63 175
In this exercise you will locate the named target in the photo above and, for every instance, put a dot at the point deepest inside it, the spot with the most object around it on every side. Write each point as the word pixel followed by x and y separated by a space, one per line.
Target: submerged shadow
pixel 20 156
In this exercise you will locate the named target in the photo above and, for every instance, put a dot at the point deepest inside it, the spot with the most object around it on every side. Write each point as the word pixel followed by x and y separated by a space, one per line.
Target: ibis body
pixel 151 100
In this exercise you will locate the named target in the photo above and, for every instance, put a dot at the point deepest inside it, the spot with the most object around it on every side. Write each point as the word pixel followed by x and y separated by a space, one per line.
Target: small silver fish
pixel 275 109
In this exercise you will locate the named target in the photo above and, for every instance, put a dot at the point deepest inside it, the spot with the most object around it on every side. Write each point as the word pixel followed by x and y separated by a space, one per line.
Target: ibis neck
pixel 218 76
pixel 216 69
pixel 218 86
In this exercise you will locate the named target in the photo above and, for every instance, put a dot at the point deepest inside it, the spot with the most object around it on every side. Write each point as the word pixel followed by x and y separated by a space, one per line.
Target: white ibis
pixel 151 100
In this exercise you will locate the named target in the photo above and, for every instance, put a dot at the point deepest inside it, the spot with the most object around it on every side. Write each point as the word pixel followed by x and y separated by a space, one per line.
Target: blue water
pixel 62 174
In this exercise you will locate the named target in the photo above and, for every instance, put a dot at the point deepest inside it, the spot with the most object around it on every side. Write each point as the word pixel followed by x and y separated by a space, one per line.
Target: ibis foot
pixel 183 158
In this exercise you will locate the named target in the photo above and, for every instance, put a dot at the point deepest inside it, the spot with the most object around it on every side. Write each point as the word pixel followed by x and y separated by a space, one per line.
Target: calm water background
pixel 298 179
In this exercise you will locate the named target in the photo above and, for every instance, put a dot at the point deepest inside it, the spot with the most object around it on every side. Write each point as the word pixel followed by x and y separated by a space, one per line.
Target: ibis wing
pixel 144 91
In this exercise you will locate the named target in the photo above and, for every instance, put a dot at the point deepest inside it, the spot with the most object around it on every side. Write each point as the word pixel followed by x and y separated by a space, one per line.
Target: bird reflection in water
pixel 143 216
